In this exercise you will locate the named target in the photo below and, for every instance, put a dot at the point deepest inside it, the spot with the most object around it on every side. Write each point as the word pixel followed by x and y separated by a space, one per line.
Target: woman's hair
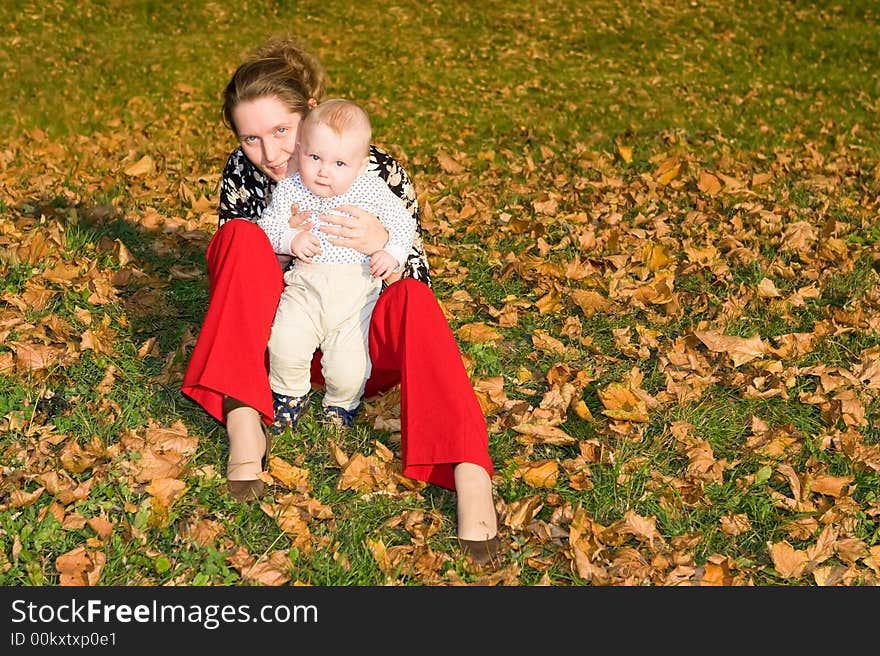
pixel 280 68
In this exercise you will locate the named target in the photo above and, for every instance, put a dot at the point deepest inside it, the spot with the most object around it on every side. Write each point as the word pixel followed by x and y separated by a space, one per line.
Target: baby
pixel 329 290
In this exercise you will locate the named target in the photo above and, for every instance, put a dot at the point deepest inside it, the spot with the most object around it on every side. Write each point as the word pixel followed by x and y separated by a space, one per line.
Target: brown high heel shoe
pixel 252 489
pixel 245 490
pixel 484 552
pixel 481 552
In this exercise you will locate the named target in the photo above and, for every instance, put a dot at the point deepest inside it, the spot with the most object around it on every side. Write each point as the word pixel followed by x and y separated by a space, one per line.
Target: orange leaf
pixel 101 526
pixel 20 498
pixel 740 349
pixel 542 434
pixel 293 478
pixel 542 473
pixel 590 302
pixel 274 571
pixel 32 357
pixel 621 404
pixel 667 171
pixel 448 164
pixel 549 303
pixel 787 560
pixel 80 567
pixel 140 168
pixel 478 333
pixel 766 289
pixel 543 341
pixel 166 490
pixel 831 485
pixel 709 184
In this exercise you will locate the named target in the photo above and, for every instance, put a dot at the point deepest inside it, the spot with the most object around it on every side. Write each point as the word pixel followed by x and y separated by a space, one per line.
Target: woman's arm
pixel 360 230
pixel 243 193
pixel 365 233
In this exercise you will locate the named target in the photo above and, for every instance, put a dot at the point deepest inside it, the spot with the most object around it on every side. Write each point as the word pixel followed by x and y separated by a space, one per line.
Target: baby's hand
pixel 305 246
pixel 382 264
pixel 301 220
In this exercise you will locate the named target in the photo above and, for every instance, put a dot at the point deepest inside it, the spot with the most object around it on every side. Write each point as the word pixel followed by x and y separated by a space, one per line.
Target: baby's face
pixel 329 162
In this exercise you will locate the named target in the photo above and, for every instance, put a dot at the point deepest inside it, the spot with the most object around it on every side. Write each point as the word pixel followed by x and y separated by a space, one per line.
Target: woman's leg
pixel 229 358
pixel 247 446
pixel 227 373
pixel 444 439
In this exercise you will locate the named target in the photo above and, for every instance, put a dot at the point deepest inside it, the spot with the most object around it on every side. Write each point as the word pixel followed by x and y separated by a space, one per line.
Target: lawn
pixel 653 228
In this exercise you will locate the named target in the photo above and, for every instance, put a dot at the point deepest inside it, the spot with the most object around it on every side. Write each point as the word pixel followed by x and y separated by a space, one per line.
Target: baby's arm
pixel 276 217
pixel 383 264
pixel 401 225
pixel 305 246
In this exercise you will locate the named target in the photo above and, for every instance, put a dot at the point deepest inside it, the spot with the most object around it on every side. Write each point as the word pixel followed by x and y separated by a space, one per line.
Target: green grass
pixel 537 102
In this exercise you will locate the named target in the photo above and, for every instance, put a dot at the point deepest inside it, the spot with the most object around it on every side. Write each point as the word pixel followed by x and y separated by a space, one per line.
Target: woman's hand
pixel 359 230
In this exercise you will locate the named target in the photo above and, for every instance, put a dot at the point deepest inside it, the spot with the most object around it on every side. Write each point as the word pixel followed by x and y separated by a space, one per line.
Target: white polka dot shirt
pixel 367 192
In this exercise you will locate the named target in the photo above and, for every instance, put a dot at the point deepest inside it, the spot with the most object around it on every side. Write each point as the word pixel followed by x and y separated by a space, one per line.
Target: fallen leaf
pixel 140 168
pixel 80 567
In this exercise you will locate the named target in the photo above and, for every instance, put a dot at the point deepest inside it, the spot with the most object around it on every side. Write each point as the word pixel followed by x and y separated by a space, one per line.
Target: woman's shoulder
pixel 383 165
pixel 390 170
pixel 244 189
pixel 238 165
pixel 382 162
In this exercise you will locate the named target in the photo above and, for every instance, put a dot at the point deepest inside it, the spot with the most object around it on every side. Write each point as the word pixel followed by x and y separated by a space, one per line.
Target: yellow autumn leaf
pixel 834 486
pixel 740 349
pixel 667 171
pixel 787 560
pixel 656 256
pixel 273 571
pixel 478 333
pixel 709 184
pixel 166 490
pixel 80 567
pixel 581 410
pixel 448 164
pixel 766 289
pixel 291 477
pixel 621 404
pixel 590 302
pixel 541 473
pixel 542 434
pixel 549 303
pixel 140 168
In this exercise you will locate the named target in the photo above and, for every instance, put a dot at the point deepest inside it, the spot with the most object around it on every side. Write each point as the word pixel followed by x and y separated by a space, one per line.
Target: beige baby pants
pixel 326 307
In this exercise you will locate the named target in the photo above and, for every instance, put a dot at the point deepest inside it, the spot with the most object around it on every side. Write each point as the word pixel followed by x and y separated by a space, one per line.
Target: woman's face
pixel 267 131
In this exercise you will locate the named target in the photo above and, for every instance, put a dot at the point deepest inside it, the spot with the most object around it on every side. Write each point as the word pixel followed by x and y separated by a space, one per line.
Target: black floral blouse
pixel 245 191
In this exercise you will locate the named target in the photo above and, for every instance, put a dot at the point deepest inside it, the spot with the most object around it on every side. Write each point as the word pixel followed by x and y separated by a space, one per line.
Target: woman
pixel 444 439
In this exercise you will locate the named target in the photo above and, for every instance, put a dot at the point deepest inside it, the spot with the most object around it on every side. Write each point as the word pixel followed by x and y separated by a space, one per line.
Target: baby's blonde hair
pixel 342 115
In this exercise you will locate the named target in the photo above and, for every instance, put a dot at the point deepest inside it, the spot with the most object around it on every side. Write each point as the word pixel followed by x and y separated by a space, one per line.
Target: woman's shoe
pixel 484 552
pixel 481 552
pixel 252 489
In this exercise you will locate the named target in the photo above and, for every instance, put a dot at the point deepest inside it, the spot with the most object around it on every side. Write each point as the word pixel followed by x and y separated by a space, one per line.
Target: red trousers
pixel 411 343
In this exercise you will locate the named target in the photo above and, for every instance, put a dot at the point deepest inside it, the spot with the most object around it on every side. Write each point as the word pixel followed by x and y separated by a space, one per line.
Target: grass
pixel 564 117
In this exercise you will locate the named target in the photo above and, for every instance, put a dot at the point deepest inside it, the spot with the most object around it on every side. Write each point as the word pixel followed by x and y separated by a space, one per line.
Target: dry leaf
pixel 140 168
pixel 709 184
pixel 542 473
pixel 80 567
